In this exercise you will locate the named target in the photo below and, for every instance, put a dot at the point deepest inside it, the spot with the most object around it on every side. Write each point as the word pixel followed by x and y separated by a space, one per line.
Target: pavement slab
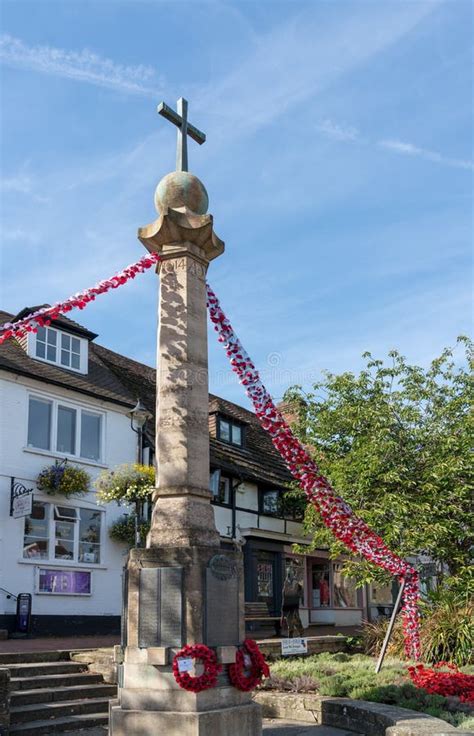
pixel 271 727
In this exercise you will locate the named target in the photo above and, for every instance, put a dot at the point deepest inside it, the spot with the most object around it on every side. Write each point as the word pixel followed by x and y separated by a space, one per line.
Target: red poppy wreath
pixel 207 658
pixel 250 667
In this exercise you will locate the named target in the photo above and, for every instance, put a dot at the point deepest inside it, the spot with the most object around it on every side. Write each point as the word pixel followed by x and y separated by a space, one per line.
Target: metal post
pixel 381 658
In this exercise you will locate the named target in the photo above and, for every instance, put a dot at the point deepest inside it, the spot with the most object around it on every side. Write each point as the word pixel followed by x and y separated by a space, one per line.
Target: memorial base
pixel 176 596
pixel 240 720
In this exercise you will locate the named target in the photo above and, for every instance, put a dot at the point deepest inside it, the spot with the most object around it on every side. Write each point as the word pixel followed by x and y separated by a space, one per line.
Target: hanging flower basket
pixel 123 530
pixel 127 483
pixel 63 480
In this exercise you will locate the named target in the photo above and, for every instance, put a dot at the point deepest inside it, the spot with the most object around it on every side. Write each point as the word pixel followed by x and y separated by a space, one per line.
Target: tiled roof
pixel 121 380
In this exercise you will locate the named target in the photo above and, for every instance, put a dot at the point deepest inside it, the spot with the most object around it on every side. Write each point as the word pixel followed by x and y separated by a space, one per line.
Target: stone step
pixel 38 669
pixel 54 681
pixel 52 655
pixel 68 723
pixel 48 695
pixel 52 711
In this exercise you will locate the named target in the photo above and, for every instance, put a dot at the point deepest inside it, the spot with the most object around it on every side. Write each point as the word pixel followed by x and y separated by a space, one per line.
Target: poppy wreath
pixel 208 678
pixel 258 668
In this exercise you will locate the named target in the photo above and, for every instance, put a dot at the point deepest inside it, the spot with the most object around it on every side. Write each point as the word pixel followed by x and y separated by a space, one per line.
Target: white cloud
pixel 83 66
pixel 349 134
pixel 408 149
pixel 21 184
pixel 338 132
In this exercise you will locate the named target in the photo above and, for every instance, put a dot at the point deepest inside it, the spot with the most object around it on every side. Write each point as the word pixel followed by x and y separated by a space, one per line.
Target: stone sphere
pixel 181 189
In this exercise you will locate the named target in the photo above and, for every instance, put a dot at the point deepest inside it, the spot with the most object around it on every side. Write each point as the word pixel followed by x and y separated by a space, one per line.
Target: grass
pixel 353 676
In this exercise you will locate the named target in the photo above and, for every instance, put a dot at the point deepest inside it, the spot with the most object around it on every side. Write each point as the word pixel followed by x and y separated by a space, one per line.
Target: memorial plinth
pixel 183 588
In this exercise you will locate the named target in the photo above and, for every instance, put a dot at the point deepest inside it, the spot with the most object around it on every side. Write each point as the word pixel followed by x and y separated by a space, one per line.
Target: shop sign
pixel 63 582
pixel 21 500
pixel 294 646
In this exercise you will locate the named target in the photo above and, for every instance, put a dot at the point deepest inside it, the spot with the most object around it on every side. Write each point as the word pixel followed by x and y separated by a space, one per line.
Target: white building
pixel 64 397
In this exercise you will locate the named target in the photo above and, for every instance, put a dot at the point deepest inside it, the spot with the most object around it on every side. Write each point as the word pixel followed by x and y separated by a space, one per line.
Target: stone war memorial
pixel 182 589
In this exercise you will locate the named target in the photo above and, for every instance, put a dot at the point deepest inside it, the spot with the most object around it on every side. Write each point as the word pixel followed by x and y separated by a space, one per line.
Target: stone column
pixel 182 589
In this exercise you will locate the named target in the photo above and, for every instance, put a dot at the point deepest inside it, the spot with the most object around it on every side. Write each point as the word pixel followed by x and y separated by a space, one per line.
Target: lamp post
pixel 139 416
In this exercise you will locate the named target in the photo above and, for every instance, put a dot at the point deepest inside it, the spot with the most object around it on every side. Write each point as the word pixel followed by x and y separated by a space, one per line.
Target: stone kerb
pixel 373 719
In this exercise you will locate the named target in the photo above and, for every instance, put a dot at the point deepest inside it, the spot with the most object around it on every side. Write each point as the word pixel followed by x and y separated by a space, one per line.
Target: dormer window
pixel 59 348
pixel 229 431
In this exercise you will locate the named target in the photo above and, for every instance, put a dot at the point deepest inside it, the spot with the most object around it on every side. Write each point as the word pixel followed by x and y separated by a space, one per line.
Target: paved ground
pixel 48 643
pixel 42 644
pixel 271 728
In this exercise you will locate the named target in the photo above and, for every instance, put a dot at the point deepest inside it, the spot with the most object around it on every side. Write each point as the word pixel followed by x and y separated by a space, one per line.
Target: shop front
pixel 331 597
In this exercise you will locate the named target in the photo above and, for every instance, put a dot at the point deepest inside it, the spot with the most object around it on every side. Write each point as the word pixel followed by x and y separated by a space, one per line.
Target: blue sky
pixel 338 163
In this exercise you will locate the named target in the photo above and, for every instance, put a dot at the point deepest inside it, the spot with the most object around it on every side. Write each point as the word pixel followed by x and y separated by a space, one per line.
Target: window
pixel 66 436
pixel 221 488
pixel 36 539
pixel 69 430
pixel 228 431
pixel 39 423
pixel 70 351
pixel 270 502
pixel 46 344
pixel 62 533
pixel 345 593
pixel 90 435
pixel 321 582
pixel 60 348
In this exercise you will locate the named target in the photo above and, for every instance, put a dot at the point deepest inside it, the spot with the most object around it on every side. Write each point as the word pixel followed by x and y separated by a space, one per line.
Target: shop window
pixel 381 595
pixel 345 593
pixel 75 431
pixel 270 502
pixel 321 585
pixel 89 536
pixel 221 488
pixel 63 533
pixel 36 537
pixel 265 576
pixel 229 431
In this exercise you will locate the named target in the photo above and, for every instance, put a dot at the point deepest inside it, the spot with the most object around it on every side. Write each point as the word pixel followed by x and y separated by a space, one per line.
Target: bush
pixel 446 632
pixel 123 530
pixel 63 479
pixel 126 483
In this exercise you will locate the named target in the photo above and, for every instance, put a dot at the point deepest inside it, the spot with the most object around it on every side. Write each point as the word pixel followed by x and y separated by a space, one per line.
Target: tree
pixel 396 443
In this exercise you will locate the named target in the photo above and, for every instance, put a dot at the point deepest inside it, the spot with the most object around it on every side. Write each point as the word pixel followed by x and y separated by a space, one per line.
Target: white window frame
pixel 51 526
pixel 53 440
pixel 84 350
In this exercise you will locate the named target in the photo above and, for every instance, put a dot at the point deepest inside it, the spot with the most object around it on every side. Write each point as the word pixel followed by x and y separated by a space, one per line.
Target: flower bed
pixel 353 676
pixel 444 679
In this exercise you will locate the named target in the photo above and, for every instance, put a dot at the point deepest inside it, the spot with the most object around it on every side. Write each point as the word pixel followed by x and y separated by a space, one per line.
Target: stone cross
pixel 180 119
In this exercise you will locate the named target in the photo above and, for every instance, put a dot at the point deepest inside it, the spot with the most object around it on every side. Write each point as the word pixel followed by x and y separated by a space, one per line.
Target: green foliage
pixel 354 677
pixel 63 479
pixel 395 441
pixel 123 530
pixel 126 483
pixel 446 633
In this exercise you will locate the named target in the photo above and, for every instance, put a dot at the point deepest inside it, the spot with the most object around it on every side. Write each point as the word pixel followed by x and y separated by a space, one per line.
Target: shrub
pixel 446 631
pixel 129 482
pixel 63 479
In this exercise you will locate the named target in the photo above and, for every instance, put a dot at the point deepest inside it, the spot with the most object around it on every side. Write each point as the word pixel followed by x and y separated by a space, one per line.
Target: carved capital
pixel 175 229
